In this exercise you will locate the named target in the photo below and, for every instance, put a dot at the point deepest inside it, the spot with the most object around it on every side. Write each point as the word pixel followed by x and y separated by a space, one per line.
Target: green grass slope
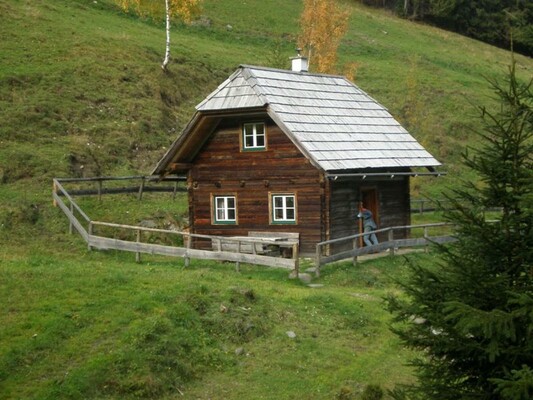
pixel 87 325
pixel 82 94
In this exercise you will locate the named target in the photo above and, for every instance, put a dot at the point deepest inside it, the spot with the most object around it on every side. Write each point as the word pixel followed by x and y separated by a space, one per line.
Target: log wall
pixel 393 204
pixel 221 168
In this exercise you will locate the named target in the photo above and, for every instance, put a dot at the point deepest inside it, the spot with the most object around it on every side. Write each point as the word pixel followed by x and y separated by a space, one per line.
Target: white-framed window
pixel 283 208
pixel 224 209
pixel 254 136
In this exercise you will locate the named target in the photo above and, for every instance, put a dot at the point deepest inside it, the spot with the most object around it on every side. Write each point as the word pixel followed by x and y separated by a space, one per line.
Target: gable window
pixel 254 136
pixel 224 209
pixel 283 207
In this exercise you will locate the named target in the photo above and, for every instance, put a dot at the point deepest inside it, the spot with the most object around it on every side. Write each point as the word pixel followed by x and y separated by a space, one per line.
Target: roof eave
pixel 163 163
pixel 391 174
pixel 174 153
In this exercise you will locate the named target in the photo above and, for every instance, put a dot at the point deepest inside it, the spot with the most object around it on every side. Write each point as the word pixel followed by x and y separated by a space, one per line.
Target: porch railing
pixel 349 246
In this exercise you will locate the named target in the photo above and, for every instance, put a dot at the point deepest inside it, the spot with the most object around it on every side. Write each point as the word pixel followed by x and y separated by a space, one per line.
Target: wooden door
pixel 369 197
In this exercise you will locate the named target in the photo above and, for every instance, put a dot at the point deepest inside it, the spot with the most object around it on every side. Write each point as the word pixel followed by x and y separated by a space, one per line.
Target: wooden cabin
pixel 292 151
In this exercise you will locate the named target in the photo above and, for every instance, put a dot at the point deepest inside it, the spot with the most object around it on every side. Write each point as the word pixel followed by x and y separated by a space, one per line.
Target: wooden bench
pixel 282 242
pixel 267 242
pixel 275 235
pixel 233 242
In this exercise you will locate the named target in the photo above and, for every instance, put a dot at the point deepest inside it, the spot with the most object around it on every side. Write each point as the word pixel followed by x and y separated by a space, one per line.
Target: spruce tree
pixel 471 317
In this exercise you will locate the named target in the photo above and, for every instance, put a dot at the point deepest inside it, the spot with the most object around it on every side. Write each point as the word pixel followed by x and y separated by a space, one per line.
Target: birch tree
pixel 323 24
pixel 185 10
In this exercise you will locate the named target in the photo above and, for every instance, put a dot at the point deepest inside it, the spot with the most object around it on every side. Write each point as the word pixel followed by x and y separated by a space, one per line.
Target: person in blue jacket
pixel 369 226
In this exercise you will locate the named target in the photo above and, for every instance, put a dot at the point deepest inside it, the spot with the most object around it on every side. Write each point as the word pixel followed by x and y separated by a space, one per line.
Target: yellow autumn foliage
pixel 186 10
pixel 323 24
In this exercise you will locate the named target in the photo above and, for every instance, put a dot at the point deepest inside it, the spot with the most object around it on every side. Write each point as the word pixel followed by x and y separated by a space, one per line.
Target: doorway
pixel 369 199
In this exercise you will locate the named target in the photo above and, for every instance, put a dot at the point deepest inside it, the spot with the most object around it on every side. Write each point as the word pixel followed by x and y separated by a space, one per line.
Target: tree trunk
pixel 167 49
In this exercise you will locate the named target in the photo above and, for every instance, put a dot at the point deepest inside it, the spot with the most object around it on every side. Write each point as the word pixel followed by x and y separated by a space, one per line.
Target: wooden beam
pixel 174 167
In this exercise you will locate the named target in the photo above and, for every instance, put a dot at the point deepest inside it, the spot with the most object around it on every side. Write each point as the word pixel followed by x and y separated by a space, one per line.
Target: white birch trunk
pixel 167 48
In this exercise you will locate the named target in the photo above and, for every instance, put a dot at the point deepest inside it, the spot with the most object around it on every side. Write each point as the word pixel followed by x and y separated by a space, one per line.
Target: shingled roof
pixel 334 123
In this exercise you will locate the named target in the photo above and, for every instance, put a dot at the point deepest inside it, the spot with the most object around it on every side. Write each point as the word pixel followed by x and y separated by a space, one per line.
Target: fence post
pixel 355 247
pixel 141 188
pixel 138 254
pixel 99 190
pixel 421 207
pixel 175 190
pixel 187 258
pixel 90 232
pixel 54 191
pixel 426 249
pixel 391 241
pixel 70 225
pixel 296 256
pixel 237 263
pixel 318 252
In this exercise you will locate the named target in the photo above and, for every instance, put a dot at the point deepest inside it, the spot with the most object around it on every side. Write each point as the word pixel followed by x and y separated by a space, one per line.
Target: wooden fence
pixel 89 229
pixel 244 249
pixel 325 256
pixel 421 206
pixel 145 184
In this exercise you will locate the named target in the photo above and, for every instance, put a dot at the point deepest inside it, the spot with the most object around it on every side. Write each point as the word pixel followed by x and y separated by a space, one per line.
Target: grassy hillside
pixel 82 94
pixel 80 81
pixel 81 324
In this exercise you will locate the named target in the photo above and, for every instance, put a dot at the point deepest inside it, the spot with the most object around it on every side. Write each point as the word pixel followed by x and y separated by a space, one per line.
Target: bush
pixel 372 392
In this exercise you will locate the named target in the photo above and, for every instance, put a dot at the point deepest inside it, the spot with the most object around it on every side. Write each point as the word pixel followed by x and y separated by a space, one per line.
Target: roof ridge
pixel 288 71
pixel 256 87
pixel 218 89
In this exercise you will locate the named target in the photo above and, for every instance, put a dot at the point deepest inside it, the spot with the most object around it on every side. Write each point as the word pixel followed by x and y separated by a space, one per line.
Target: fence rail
pixel 245 247
pixel 324 254
pixel 421 206
pixel 143 185
pixel 87 229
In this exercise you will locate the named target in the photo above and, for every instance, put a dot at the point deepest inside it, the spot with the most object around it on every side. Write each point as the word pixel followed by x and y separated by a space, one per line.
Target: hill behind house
pixel 81 86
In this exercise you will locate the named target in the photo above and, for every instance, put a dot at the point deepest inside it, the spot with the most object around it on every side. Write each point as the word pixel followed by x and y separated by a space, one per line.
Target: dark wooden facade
pixel 222 168
pixel 391 205
pixel 326 208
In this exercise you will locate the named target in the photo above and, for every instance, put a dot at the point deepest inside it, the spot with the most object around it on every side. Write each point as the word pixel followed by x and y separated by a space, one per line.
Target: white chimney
pixel 299 63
